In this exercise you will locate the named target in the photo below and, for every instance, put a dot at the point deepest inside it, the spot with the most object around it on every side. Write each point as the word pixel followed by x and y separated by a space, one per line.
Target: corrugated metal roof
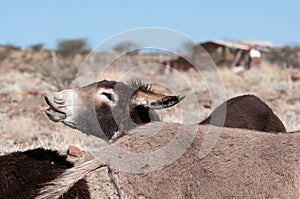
pixel 244 45
pixel 229 44
pixel 262 43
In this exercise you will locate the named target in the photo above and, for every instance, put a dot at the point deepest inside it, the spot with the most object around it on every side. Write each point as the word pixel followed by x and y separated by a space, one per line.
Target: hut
pixel 224 53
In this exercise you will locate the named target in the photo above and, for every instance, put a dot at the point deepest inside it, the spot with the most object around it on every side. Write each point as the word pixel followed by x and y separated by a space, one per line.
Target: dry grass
pixel 23 124
pixel 22 132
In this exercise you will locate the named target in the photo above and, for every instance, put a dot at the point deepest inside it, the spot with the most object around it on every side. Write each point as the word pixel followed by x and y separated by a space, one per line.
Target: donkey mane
pixel 141 85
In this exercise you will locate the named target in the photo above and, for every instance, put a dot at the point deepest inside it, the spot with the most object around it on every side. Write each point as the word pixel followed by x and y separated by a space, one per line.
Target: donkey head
pixel 107 107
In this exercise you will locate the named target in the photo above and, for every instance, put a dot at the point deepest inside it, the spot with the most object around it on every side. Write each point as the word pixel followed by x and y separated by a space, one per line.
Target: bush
pixel 68 48
pixel 285 57
pixel 4 54
pixel 128 47
pixel 12 47
pixel 59 76
pixel 37 47
pixel 6 50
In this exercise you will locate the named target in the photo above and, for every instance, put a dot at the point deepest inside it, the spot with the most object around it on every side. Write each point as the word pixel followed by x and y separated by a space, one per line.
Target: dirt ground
pixel 23 124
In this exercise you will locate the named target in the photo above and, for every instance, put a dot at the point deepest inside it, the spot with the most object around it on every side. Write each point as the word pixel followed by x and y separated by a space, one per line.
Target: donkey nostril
pixel 58 99
pixel 61 102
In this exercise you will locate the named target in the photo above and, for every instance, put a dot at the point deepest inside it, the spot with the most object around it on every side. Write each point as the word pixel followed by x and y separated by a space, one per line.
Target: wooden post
pixel 236 57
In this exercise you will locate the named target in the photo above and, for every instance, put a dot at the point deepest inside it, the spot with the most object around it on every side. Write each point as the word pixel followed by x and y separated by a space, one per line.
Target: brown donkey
pixel 24 174
pixel 246 112
pixel 241 164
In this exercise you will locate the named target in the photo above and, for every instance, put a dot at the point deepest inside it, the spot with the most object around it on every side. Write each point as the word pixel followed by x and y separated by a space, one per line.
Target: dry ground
pixel 23 123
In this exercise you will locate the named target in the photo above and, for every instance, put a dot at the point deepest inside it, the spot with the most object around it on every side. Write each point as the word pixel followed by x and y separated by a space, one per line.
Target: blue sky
pixel 24 23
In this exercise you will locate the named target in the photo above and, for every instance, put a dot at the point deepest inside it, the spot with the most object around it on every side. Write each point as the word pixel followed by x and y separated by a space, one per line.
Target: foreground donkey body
pixel 242 164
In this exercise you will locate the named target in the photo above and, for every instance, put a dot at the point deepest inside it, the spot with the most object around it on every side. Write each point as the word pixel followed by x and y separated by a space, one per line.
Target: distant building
pixel 236 53
pixel 225 53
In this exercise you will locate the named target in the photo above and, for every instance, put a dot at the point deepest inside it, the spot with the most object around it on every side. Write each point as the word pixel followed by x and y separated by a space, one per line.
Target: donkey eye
pixel 108 95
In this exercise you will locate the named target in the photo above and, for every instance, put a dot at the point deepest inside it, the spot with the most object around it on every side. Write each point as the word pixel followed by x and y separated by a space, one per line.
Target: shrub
pixel 6 50
pixel 285 57
pixel 128 47
pixel 68 48
pixel 12 47
pixel 4 54
pixel 59 76
pixel 37 47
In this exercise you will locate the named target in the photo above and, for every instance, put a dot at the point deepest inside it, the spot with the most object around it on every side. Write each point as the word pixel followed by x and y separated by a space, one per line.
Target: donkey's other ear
pixel 166 102
pixel 150 99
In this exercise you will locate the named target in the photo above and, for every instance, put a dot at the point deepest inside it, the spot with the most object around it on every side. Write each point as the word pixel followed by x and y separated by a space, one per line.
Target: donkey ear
pixel 150 99
pixel 166 102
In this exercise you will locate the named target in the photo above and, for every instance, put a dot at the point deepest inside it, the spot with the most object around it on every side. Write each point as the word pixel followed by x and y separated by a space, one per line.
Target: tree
pixel 70 47
pixel 37 47
pixel 125 47
pixel 286 56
